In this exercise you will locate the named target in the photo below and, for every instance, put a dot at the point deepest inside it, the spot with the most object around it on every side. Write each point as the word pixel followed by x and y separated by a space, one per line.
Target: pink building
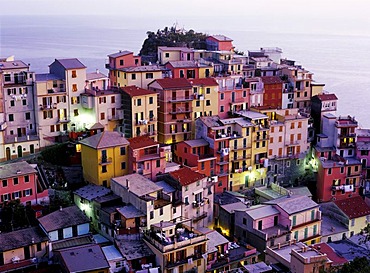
pixel 19 181
pixel 184 69
pixel 146 157
pixel 219 43
pixel 362 151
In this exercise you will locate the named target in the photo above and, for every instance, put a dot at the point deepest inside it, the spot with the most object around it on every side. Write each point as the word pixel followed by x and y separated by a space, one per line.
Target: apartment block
pixel 104 156
pixel 140 110
pixel 18 132
pixel 175 98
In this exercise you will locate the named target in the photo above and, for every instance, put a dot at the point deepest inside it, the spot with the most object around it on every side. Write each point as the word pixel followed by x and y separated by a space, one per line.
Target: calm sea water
pixel 342 62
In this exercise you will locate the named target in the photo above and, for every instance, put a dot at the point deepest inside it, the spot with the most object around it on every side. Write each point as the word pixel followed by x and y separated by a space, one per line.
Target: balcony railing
pixel 105 160
pixel 180 99
pixel 200 216
pixel 48 106
pixel 180 110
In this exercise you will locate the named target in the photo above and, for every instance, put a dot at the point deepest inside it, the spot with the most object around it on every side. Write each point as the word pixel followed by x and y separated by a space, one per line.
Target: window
pixel 15 181
pixel 244 221
pixel 12 103
pixel 24 102
pixel 52 128
pixel 353 222
pixel 186 188
pixel 186 200
pixel 103 169
pixel 260 225
pixel 11 117
pixel 312 215
pixel 296 235
pixel 161 211
pixel 123 165
pixel 208 90
pixel 102 116
pixel 133 76
pixel 151 214
pixel 149 75
pixel 75 112
pixel 158 163
pixel 208 102
pixel 197 103
pixel 329 171
pixel 222 96
pixel 151 100
pixel 7 78
pixel 222 108
pixel 138 102
pixel 121 62
pixel 202 165
pixel 38 247
pixel 167 55
pixel 306 232
pixel 28 116
pixel 74 87
pixel 74 74
pixel 300 124
pixel 5 183
pixel 294 221
pixel 123 150
pixel 113 99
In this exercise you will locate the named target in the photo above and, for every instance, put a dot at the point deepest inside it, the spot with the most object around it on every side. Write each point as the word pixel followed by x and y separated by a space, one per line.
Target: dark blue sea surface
pixel 342 62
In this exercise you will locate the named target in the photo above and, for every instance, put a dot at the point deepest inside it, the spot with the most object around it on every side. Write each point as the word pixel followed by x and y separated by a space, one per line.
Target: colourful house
pixel 175 120
pixel 19 181
pixel 140 109
pixel 146 157
pixel 104 155
pixel 219 43
pixel 362 151
pixel 22 249
pixel 302 217
pixel 273 90
pixel 189 69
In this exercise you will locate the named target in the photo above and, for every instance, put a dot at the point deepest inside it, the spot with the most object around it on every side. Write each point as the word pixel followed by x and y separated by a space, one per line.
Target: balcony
pixel 223 173
pixel 200 216
pixel 105 160
pixel 117 116
pixel 48 106
pixel 242 147
pixel 63 120
pixel 181 261
pixel 292 143
pixel 261 138
pixel 180 99
pixel 180 110
pixel 141 121
pixel 345 188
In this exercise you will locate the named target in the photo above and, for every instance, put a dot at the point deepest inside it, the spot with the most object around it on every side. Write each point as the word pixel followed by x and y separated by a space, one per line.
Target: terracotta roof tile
pixel 271 80
pixel 204 82
pixel 133 91
pixel 332 255
pixel 327 97
pixel 353 207
pixel 170 83
pixel 141 142
pixel 186 176
pixel 105 139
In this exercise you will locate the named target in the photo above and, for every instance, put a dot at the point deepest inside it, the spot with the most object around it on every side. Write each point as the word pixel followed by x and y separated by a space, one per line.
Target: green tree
pixel 358 265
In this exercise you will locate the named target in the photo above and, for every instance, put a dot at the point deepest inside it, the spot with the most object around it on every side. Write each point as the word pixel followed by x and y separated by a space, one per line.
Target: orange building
pixel 120 60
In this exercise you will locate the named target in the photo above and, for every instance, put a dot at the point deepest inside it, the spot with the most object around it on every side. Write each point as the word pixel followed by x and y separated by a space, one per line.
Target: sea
pixel 339 60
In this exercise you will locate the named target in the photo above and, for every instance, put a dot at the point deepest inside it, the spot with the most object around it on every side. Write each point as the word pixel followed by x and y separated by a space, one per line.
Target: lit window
pixel 74 87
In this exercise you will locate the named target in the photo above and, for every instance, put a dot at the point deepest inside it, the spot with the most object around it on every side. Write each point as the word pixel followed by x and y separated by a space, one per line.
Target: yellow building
pixel 140 111
pixel 260 137
pixel 17 248
pixel 104 155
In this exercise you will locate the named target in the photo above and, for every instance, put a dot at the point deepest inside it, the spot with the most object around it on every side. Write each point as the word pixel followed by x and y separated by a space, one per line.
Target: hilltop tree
pixel 171 36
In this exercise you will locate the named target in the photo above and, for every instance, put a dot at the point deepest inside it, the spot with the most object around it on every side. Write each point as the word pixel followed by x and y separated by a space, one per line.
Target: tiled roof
pixel 332 255
pixel 204 82
pixel 181 64
pixel 16 169
pixel 323 97
pixel 130 211
pixel 175 48
pixel 186 176
pixel 95 75
pixel 353 207
pixel 92 191
pixel 105 139
pixel 84 258
pixel 221 38
pixel 71 63
pixel 21 238
pixel 196 142
pixel 294 204
pixel 120 53
pixel 271 80
pixel 170 83
pixel 141 142
pixel 67 217
pixel 133 91
pixel 16 64
pixel 137 184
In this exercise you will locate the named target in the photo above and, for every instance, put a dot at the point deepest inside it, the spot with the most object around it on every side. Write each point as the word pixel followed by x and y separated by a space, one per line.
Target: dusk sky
pixel 347 17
